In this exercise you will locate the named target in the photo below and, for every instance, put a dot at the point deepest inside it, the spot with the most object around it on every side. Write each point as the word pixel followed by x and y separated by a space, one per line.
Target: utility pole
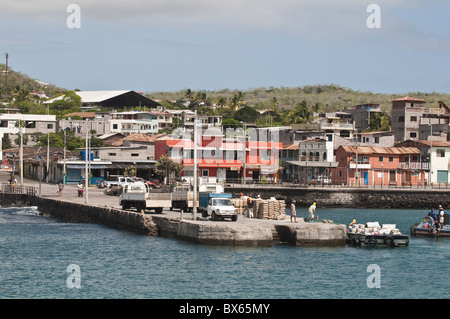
pixel 86 167
pixel 194 207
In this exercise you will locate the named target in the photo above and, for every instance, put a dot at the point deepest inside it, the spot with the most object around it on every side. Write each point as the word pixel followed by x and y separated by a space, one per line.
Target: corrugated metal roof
pixel 291 147
pixel 407 98
pixel 380 150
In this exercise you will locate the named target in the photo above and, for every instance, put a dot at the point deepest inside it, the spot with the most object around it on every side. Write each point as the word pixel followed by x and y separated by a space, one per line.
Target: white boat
pixel 373 234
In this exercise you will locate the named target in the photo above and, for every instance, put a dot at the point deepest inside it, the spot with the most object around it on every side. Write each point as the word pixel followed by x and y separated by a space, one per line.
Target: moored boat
pixel 373 235
pixel 431 227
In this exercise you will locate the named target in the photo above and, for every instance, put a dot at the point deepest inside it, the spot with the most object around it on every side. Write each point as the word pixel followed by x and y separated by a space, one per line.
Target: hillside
pixel 20 85
pixel 321 97
pixel 283 102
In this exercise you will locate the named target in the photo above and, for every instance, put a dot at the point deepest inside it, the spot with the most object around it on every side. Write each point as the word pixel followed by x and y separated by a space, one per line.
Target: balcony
pixel 336 126
pixel 310 158
pixel 417 166
pixel 361 165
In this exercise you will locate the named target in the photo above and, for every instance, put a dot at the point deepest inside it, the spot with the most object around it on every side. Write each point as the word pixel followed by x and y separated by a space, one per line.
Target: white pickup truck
pixel 218 206
pixel 117 181
pixel 140 196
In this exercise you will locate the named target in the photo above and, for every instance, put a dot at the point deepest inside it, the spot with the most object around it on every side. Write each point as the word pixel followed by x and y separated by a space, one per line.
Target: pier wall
pixel 256 233
pixel 351 198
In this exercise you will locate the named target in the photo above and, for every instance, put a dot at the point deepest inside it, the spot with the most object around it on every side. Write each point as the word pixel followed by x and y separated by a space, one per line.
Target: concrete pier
pixel 104 209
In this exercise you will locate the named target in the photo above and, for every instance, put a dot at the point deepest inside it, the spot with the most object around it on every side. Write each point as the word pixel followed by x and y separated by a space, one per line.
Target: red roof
pixel 407 98
pixel 380 150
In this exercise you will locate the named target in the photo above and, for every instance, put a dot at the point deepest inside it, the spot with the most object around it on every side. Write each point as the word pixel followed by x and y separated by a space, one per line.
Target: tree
pixel 166 167
pixel 300 113
pixel 237 101
pixel 70 102
pixel 230 123
pixel 246 114
pixel 379 122
pixel 129 171
pixel 57 140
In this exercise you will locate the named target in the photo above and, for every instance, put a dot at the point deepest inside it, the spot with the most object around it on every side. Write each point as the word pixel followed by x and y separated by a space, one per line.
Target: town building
pixel 15 124
pixel 411 119
pixel 220 159
pixel 111 100
pixel 436 155
pixel 128 123
pixel 361 115
pixel 379 166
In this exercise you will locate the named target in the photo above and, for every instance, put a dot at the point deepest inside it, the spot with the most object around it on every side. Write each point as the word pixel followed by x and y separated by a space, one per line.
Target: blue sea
pixel 42 258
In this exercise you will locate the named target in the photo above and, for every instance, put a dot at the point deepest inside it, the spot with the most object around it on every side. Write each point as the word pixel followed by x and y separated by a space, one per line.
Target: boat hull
pixel 362 240
pixel 429 232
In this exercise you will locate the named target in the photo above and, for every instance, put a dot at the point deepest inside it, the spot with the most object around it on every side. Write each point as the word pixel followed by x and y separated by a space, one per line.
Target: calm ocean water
pixel 36 251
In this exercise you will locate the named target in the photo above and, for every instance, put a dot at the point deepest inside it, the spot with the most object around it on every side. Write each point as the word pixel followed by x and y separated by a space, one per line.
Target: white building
pixel 133 122
pixel 440 162
pixel 31 123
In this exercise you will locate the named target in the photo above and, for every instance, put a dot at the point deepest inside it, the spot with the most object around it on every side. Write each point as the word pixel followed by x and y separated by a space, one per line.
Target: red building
pixel 378 166
pixel 223 160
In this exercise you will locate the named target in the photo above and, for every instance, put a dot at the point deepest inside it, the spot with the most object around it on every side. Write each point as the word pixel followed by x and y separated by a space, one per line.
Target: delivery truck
pixel 217 205
pixel 142 197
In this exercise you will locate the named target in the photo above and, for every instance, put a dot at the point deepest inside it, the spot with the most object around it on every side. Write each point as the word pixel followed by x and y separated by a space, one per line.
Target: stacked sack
pixel 269 209
pixel 240 204
pixel 356 229
pixel 372 228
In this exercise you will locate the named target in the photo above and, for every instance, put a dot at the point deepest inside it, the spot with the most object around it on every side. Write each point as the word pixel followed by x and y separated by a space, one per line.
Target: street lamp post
pixel 245 150
pixel 21 132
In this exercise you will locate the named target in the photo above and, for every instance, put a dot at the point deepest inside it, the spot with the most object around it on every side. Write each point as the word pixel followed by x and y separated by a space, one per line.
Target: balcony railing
pixel 407 165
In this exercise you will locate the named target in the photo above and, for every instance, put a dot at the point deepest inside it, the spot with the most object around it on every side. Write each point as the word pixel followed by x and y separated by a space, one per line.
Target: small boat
pixel 373 235
pixel 428 227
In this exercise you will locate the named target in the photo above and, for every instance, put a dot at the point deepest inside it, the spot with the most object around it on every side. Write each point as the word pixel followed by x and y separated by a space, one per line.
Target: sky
pixel 396 46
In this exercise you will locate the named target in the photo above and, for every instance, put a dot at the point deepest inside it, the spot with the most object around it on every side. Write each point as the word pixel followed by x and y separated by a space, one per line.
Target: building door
pixel 442 176
pixel 366 178
pixel 392 177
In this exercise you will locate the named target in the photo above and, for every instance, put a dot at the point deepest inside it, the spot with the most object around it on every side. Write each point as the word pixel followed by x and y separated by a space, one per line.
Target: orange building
pixel 220 160
pixel 379 166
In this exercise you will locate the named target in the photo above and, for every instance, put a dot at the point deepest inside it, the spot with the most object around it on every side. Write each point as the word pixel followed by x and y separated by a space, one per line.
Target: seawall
pixel 244 232
pixel 352 197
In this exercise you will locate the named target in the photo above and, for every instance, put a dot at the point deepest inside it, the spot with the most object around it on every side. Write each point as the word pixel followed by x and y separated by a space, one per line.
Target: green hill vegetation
pixel 283 105
pixel 17 92
pixel 273 106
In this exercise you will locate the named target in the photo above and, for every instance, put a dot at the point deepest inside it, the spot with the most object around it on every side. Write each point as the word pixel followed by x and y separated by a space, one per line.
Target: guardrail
pixel 340 185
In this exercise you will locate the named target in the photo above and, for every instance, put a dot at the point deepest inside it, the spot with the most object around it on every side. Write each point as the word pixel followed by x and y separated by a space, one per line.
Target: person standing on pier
pixel 80 189
pixel 60 188
pixel 311 211
pixel 293 211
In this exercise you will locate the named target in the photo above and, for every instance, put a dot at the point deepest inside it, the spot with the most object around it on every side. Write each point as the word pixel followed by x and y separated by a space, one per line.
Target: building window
pixel 401 119
pixel 380 159
pixel 134 154
pixel 413 118
pixel 440 153
pixel 413 134
pixel 377 140
pixel 115 126
pixel 391 159
pixel 49 126
pixel 111 154
pixel 205 172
